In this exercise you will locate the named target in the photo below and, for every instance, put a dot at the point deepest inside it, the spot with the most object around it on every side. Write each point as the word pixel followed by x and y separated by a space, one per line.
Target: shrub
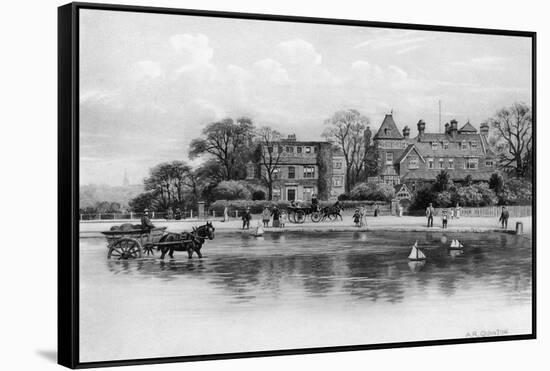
pixel 343 197
pixel 231 190
pixel 444 199
pixel 475 195
pixel 258 195
pixel 516 192
pixel 372 192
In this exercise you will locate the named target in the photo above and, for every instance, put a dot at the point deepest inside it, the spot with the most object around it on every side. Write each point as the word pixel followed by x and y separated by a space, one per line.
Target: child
pixel 283 219
pixel 444 218
pixel 356 217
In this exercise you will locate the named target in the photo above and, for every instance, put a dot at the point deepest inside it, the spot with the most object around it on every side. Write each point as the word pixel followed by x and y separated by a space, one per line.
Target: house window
pixel 308 149
pixel 471 163
pixel 314 149
pixel 290 149
pixel 464 146
pixel 451 164
pixel 389 157
pixel 445 145
pixel 430 163
pixel 337 165
pixel 489 163
pixel 309 171
pixel 298 149
pixel 413 163
pixel 434 146
pixel 337 181
pixel 291 172
pixel 473 145
pixel 441 163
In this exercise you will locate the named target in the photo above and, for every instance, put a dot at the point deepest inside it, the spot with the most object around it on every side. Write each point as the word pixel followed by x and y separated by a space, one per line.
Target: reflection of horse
pixel 185 241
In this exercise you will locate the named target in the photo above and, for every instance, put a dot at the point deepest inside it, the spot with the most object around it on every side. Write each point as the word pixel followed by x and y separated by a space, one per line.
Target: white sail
pixel 416 254
pixel 454 243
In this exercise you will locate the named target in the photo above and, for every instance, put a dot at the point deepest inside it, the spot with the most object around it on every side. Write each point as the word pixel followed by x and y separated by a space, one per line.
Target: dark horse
pixel 332 212
pixel 190 242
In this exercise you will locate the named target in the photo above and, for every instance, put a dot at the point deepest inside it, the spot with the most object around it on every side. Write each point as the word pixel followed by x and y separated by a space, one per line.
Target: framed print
pixel 241 185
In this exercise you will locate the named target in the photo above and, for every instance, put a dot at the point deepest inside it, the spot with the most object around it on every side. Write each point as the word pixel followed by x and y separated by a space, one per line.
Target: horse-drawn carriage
pixel 133 241
pixel 299 214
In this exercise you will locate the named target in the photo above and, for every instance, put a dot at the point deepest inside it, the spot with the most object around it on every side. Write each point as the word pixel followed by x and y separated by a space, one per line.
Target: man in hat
pixel 430 212
pixel 145 221
pixel 504 215
pixel 246 218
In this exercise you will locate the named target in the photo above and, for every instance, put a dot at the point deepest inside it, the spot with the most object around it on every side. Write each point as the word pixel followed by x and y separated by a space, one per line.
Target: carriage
pixel 299 214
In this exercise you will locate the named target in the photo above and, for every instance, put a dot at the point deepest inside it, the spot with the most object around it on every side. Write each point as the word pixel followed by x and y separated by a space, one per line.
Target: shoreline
pixel 384 223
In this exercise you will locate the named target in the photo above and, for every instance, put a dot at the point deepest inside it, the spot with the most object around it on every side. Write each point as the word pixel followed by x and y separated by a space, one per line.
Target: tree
pixel 345 129
pixel 227 142
pixel 169 182
pixel 496 183
pixel 145 200
pixel 513 138
pixel 270 155
pixel 442 181
pixel 231 190
pixel 372 192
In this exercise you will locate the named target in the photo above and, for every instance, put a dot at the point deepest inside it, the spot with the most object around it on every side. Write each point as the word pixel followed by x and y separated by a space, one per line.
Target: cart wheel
pixel 316 217
pixel 292 217
pixel 300 216
pixel 124 249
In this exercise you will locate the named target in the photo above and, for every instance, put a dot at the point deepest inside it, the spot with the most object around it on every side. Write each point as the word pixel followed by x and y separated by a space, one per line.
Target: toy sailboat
pixel 456 245
pixel 258 231
pixel 416 254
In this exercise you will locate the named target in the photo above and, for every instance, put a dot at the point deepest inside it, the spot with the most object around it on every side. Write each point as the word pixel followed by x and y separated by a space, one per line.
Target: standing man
pixel 246 218
pixel 276 213
pixel 430 211
pixel 504 215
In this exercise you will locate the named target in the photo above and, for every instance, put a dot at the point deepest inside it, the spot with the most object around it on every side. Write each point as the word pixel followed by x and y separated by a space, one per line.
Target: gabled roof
pixel 388 129
pixel 467 128
pixel 408 150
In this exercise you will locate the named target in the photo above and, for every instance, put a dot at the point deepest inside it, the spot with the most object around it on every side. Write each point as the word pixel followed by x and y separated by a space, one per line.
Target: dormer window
pixel 434 146
pixel 386 131
pixel 445 145
pixel 473 145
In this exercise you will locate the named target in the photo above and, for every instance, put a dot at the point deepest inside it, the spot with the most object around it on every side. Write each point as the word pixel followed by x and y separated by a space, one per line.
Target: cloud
pixel 273 71
pixel 194 54
pixel 146 69
pixel 299 52
pixel 387 39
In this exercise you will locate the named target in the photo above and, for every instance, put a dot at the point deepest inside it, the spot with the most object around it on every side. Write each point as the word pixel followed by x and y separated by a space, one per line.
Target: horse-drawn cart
pixel 131 243
pixel 299 214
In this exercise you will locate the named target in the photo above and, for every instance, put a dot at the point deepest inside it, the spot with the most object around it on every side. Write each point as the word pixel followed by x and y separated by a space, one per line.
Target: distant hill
pixel 93 193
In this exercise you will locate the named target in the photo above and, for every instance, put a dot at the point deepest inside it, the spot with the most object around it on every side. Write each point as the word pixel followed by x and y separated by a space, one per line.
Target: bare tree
pixel 513 138
pixel 346 129
pixel 270 156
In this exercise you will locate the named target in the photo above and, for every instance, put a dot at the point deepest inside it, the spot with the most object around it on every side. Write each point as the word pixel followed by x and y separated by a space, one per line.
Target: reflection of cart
pixel 131 243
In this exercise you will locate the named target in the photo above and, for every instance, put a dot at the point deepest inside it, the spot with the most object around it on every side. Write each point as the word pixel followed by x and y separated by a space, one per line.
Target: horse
pixel 190 242
pixel 332 212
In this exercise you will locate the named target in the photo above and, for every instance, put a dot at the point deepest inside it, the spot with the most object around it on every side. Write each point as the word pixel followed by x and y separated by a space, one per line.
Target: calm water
pixel 297 290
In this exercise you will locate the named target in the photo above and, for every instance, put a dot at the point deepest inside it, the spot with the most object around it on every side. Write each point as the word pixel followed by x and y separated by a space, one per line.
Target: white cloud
pixel 299 52
pixel 273 71
pixel 146 69
pixel 194 54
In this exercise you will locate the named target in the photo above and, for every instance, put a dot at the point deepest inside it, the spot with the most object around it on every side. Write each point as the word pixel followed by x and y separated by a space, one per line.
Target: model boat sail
pixel 416 254
pixel 259 231
pixel 455 244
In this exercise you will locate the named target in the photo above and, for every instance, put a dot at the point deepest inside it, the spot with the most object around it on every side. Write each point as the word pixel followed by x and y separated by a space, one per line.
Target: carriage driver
pixel 314 203
pixel 145 221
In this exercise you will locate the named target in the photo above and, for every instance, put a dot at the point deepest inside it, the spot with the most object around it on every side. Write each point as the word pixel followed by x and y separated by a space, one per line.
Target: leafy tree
pixel 475 195
pixel 346 129
pixel 444 199
pixel 442 181
pixel 513 138
pixel 423 196
pixel 270 156
pixel 258 195
pixel 372 192
pixel 145 200
pixel 169 182
pixel 496 183
pixel 229 143
pixel 516 192
pixel 231 190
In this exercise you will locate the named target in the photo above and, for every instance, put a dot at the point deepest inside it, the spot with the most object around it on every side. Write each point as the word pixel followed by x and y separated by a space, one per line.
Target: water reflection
pixel 355 266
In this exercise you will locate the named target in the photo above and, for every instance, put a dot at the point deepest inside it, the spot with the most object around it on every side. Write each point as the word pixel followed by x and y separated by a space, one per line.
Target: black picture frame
pixel 68 180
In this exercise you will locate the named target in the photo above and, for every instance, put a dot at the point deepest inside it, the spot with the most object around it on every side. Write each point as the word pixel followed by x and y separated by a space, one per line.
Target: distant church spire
pixel 125 181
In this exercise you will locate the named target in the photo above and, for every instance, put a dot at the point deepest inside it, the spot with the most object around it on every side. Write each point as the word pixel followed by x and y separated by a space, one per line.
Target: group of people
pixel 280 217
pixel 360 215
pixel 455 213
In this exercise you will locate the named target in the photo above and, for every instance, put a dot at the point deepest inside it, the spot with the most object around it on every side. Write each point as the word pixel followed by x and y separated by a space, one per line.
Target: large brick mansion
pixel 461 152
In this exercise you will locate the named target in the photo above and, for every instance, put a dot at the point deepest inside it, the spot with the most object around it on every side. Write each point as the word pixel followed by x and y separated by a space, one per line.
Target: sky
pixel 149 83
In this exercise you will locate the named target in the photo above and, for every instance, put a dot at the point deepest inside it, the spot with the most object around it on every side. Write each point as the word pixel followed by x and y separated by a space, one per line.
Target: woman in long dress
pixel 457 211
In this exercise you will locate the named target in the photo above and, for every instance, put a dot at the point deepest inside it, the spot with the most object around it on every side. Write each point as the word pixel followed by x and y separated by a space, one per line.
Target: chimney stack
pixel 291 138
pixel 421 127
pixel 447 128
pixel 484 129
pixel 406 132
pixel 454 128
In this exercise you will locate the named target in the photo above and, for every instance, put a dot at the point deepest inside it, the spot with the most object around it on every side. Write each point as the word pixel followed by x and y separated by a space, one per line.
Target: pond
pixel 301 290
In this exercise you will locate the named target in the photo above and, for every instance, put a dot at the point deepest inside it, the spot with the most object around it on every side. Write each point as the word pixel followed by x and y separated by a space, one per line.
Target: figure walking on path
pixel 376 210
pixel 457 210
pixel 504 215
pixel 283 219
pixel 225 214
pixel 266 216
pixel 246 218
pixel 430 211
pixel 356 217
pixel 276 213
